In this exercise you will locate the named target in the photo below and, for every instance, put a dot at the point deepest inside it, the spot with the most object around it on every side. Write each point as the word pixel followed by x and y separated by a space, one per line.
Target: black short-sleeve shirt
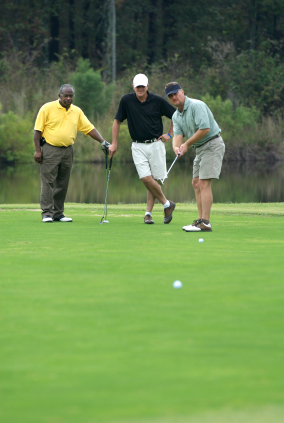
pixel 144 119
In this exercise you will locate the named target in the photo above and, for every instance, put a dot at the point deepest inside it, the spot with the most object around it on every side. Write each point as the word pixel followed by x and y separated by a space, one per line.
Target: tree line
pixel 147 31
pixel 229 53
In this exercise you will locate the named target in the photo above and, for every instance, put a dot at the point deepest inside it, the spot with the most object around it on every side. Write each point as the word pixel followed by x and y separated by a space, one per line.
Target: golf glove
pixel 105 145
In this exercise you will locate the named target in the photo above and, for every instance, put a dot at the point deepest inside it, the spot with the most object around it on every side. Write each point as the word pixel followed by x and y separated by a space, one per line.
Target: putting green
pixel 93 331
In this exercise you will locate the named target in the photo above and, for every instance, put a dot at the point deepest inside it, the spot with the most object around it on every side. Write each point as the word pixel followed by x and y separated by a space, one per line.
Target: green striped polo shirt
pixel 195 115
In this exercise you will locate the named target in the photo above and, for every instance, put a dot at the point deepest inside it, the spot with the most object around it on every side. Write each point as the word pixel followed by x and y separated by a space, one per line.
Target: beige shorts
pixel 150 159
pixel 208 161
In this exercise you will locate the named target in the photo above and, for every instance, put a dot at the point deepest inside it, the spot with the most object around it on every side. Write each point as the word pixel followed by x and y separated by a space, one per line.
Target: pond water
pixel 239 182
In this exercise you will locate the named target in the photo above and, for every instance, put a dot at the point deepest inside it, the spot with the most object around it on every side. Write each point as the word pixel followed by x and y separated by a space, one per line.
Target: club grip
pixel 110 163
pixel 106 161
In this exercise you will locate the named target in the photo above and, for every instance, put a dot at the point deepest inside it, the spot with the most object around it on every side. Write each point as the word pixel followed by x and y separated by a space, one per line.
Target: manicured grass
pixel 93 331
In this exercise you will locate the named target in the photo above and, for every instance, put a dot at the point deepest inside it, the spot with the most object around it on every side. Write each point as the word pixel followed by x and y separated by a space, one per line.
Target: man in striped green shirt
pixel 194 120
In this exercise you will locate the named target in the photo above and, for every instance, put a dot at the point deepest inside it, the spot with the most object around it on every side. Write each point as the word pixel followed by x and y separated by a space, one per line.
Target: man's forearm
pixel 37 137
pixel 96 135
pixel 177 141
pixel 170 131
pixel 115 132
pixel 37 155
pixel 199 134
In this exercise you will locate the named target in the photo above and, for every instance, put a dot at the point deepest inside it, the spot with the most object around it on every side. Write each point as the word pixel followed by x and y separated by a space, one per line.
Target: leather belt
pixel 43 141
pixel 213 138
pixel 146 141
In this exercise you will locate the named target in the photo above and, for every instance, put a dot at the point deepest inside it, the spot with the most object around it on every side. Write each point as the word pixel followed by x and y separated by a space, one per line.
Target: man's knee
pixel 204 183
pixel 147 180
pixel 195 183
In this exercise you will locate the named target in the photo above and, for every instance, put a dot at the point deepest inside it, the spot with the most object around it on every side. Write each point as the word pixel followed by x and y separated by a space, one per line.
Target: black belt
pixel 43 141
pixel 210 139
pixel 146 141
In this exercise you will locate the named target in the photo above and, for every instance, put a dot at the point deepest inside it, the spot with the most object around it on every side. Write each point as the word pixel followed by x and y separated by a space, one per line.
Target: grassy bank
pixel 253 209
pixel 93 331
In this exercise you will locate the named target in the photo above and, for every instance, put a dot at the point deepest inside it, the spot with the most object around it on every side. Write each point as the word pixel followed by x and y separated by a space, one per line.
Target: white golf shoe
pixel 47 219
pixel 200 226
pixel 189 227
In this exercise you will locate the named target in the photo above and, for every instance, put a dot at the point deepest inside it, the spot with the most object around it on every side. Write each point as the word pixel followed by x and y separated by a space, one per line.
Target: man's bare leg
pixel 154 188
pixel 206 197
pixel 150 201
pixel 195 184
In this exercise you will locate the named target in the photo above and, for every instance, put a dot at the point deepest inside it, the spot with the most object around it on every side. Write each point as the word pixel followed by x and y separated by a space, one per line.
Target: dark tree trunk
pixel 152 32
pixel 85 32
pixel 71 25
pixel 54 34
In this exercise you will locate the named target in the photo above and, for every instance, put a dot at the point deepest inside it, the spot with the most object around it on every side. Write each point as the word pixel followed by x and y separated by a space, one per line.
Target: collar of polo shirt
pixel 62 107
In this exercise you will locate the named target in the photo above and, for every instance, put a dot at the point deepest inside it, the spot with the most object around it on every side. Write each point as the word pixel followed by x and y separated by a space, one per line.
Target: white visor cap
pixel 140 79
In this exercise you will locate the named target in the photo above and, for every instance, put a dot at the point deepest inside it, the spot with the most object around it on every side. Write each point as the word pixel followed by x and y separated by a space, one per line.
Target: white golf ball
pixel 201 240
pixel 177 284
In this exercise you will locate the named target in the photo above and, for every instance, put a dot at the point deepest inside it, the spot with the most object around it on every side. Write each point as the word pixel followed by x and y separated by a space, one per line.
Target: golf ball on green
pixel 177 284
pixel 201 240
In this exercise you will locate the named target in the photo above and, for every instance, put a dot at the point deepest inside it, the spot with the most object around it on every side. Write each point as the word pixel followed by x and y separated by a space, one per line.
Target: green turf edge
pixel 260 209
pixel 266 414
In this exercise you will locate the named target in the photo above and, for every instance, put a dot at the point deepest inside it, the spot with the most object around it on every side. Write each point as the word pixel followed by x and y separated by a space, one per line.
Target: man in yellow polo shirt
pixel 55 131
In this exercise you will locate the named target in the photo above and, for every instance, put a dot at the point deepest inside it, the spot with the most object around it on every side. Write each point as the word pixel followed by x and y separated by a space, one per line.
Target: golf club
pixel 106 185
pixel 163 180
pixel 104 217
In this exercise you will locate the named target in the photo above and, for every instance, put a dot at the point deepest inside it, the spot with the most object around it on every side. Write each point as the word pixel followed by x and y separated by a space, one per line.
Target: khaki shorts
pixel 150 159
pixel 208 161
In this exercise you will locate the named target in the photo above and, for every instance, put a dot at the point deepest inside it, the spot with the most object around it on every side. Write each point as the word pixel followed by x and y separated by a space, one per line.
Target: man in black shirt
pixel 143 111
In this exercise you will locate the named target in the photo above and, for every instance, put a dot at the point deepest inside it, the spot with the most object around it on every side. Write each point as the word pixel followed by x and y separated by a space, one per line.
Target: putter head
pixel 101 222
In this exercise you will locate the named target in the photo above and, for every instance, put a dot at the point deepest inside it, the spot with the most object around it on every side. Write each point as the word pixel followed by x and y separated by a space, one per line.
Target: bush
pixel 87 149
pixel 236 124
pixel 25 87
pixel 92 95
pixel 258 80
pixel 16 138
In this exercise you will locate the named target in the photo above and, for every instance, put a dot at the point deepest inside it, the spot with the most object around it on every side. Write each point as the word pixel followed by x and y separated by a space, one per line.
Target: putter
pixel 163 180
pixel 105 199
pixel 104 217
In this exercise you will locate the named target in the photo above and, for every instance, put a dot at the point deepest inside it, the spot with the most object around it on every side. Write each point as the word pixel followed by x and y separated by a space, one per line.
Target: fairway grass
pixel 92 330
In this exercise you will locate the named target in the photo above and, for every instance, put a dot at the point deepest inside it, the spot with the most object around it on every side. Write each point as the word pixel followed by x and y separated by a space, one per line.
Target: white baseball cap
pixel 140 79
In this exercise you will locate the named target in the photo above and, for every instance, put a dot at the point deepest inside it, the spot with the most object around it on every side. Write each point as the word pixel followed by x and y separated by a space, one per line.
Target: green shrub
pixel 258 80
pixel 236 124
pixel 92 95
pixel 16 138
pixel 87 149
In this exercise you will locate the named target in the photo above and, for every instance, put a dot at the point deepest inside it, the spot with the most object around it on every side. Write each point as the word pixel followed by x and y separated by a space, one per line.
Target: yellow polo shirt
pixel 59 126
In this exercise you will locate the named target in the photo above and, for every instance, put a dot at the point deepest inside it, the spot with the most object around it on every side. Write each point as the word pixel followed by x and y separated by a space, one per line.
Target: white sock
pixel 167 204
pixel 148 213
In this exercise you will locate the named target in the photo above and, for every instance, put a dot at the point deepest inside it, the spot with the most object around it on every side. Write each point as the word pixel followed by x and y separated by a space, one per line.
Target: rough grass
pixel 92 330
